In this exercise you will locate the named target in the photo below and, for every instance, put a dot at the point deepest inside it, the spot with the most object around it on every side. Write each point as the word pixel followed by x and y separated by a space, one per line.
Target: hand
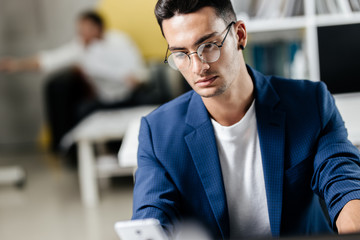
pixel 348 220
pixel 9 65
pixel 3 65
pixel 132 82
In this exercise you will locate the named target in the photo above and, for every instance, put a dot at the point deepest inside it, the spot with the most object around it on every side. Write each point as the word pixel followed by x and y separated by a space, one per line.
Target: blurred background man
pixel 97 70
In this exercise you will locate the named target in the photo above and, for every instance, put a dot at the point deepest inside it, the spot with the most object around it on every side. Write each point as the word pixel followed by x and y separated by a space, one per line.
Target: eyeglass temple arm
pixel 167 50
pixel 222 43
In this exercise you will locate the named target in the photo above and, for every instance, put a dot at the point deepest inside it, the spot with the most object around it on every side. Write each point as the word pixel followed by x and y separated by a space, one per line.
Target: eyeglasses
pixel 207 52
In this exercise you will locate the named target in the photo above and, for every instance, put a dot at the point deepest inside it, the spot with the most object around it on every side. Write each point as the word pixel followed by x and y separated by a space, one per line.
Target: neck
pixel 88 42
pixel 231 106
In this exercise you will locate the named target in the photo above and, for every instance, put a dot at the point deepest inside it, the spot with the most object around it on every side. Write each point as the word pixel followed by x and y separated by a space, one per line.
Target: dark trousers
pixel 68 99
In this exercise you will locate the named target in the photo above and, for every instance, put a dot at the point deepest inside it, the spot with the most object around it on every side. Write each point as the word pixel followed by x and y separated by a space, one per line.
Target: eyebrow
pixel 200 40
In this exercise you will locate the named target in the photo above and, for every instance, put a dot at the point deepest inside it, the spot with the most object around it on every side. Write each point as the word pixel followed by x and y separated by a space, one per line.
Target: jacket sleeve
pixel 337 166
pixel 155 194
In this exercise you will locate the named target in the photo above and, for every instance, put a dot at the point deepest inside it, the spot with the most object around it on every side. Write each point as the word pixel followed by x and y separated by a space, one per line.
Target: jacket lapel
pixel 203 149
pixel 271 130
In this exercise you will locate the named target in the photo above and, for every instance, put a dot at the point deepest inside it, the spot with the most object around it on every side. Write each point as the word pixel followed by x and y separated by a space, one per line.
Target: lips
pixel 204 82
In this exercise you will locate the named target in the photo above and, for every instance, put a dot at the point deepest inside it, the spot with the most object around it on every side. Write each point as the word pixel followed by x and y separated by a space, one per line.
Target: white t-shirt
pixel 107 62
pixel 241 165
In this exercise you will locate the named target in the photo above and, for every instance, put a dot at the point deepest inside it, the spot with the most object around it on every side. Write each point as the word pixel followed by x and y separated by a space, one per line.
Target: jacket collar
pixel 203 149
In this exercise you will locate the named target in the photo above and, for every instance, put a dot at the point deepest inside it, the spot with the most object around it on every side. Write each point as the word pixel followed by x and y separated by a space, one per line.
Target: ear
pixel 241 34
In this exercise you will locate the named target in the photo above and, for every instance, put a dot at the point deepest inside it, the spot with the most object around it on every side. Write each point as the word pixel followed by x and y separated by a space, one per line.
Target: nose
pixel 198 66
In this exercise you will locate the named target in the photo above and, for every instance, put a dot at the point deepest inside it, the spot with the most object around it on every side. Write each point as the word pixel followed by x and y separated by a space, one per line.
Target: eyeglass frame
pixel 188 54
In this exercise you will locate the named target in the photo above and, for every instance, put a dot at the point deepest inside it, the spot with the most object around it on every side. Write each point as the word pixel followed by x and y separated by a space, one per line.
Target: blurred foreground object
pixel 13 175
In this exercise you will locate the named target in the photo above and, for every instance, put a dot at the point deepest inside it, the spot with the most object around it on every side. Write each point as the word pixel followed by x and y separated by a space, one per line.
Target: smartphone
pixel 142 229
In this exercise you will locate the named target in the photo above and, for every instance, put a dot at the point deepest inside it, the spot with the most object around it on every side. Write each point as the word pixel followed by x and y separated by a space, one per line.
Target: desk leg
pixel 87 174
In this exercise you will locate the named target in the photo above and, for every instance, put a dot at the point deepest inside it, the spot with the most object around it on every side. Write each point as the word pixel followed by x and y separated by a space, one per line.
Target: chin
pixel 208 93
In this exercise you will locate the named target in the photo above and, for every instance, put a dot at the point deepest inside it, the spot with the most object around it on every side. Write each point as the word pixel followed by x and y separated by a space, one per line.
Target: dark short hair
pixel 93 17
pixel 166 9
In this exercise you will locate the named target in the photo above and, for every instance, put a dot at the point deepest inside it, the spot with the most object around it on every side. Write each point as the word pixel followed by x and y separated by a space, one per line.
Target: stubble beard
pixel 219 91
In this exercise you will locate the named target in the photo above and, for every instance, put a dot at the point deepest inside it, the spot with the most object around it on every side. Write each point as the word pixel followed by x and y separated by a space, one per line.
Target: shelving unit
pixel 303 27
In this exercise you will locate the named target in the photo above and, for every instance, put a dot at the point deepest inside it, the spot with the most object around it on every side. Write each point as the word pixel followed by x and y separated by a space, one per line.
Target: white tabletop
pixel 105 125
pixel 349 108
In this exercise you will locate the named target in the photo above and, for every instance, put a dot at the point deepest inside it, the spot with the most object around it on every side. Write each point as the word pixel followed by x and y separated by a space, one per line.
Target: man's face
pixel 88 31
pixel 186 32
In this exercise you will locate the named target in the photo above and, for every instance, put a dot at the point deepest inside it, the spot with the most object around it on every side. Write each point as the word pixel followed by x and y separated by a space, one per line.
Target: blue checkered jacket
pixel 305 152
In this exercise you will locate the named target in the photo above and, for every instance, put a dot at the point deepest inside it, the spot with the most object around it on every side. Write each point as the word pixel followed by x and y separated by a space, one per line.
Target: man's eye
pixel 208 45
pixel 179 55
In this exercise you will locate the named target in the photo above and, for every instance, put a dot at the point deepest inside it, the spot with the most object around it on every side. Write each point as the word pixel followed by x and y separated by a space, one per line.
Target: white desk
pixel 100 127
pixel 349 108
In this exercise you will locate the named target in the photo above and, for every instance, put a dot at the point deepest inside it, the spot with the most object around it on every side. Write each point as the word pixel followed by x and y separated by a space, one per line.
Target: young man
pixel 244 154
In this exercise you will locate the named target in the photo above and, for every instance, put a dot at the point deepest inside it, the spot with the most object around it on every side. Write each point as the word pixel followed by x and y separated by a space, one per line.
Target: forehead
pixel 183 30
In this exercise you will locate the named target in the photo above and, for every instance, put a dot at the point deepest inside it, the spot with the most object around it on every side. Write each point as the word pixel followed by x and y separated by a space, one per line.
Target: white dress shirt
pixel 107 62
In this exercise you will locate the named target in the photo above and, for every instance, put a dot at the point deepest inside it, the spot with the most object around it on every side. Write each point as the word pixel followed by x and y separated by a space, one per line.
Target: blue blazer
pixel 304 148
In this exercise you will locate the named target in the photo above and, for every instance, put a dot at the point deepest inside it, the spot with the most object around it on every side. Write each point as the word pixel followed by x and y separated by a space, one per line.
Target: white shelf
pixel 267 25
pixel 295 23
pixel 337 19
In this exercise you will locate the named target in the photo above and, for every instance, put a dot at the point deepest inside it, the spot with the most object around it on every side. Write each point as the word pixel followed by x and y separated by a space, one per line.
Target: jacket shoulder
pixel 295 84
pixel 172 111
pixel 299 91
